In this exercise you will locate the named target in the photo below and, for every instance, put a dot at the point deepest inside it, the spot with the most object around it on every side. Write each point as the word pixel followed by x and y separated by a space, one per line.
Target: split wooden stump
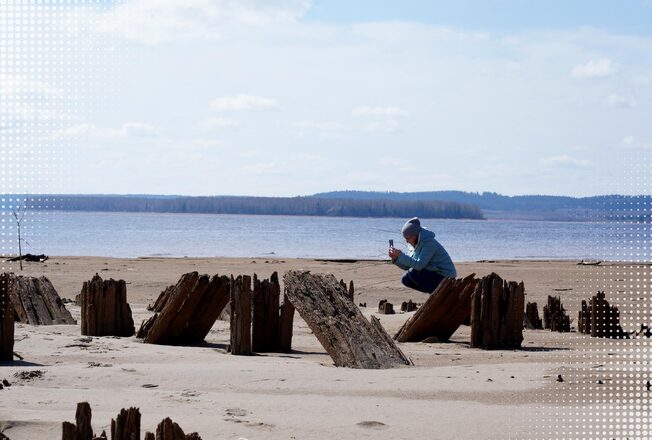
pixel 408 306
pixel 531 320
pixel 104 308
pixel 190 310
pixel 497 313
pixel 338 324
pixel 6 321
pixel 126 426
pixel 385 307
pixel 35 300
pixel 555 317
pixel 599 319
pixel 443 312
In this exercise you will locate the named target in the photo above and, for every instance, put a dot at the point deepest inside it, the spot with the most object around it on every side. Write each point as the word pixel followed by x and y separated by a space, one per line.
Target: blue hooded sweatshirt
pixel 428 254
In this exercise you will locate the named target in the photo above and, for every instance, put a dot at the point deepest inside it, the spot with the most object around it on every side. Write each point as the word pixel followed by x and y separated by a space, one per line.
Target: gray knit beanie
pixel 411 228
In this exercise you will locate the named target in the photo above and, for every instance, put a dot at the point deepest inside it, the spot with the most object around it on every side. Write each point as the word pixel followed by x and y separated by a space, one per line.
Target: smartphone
pixel 391 243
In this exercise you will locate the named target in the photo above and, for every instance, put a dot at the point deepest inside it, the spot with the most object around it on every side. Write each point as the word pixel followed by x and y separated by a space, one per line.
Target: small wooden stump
pixel 599 319
pixel 6 321
pixel 104 308
pixel 82 429
pixel 190 309
pixel 241 315
pixel 408 306
pixel 442 313
pixel 265 320
pixel 385 307
pixel 35 300
pixel 338 324
pixel 531 319
pixel 555 317
pixel 497 313
pixel 168 430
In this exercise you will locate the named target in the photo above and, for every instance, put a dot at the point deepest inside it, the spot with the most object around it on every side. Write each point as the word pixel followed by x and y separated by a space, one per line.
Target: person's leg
pixel 422 280
pixel 407 281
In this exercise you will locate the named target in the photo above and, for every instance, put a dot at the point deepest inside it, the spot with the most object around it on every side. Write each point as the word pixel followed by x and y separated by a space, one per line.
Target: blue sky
pixel 291 97
pixel 626 16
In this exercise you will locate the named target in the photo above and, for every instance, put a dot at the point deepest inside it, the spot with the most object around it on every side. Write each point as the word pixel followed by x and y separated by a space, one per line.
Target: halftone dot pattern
pixel 606 388
pixel 52 64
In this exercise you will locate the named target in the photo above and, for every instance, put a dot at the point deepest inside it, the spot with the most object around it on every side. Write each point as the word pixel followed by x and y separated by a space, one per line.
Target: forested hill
pixel 345 207
pixel 532 207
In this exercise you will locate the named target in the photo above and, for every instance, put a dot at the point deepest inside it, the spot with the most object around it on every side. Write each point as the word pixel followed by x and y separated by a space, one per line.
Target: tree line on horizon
pixel 308 206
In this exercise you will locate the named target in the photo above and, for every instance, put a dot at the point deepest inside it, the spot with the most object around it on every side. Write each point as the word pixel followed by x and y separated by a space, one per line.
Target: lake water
pixel 203 235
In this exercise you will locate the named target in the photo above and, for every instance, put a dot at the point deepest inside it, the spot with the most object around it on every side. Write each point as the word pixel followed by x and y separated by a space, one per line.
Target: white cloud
pixel 91 131
pixel 378 111
pixel 565 161
pixel 631 143
pixel 15 84
pixel 244 102
pixel 387 126
pixel 619 101
pixel 154 21
pixel 212 123
pixel 595 69
pixel 208 143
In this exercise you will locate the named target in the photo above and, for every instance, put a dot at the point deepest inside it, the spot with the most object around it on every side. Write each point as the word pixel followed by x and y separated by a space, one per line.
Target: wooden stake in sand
pixel 104 308
pixel 531 319
pixel 35 300
pixel 6 321
pixel 265 320
pixel 285 325
pixel 190 309
pixel 555 317
pixel 497 313
pixel 442 313
pixel 599 319
pixel 338 324
pixel 126 426
pixel 241 315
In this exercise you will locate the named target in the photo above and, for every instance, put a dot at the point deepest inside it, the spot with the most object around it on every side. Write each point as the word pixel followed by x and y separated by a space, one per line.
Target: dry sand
pixel 453 391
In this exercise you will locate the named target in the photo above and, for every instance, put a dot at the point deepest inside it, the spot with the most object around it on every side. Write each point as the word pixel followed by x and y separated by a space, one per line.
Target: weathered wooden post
pixel 285 325
pixel 35 301
pixel 599 319
pixel 555 317
pixel 265 320
pixel 532 319
pixel 241 315
pixel 104 308
pixel 126 426
pixel 6 321
pixel 497 313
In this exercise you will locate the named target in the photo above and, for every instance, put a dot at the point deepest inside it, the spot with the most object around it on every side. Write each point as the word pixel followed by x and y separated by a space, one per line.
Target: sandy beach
pixel 452 391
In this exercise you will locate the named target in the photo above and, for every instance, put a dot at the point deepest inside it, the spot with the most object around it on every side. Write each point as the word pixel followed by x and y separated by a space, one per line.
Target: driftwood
pixel 442 313
pixel 126 426
pixel 338 324
pixel 555 317
pixel 6 321
pixel 30 257
pixel 599 319
pixel 191 308
pixel 531 319
pixel 104 308
pixel 265 314
pixel 241 315
pixel 497 313
pixel 35 300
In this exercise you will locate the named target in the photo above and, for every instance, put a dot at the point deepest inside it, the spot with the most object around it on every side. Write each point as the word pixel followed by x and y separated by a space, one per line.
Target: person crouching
pixel 427 264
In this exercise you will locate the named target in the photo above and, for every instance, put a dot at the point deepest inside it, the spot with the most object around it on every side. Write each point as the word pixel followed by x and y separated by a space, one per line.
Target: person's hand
pixel 394 253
